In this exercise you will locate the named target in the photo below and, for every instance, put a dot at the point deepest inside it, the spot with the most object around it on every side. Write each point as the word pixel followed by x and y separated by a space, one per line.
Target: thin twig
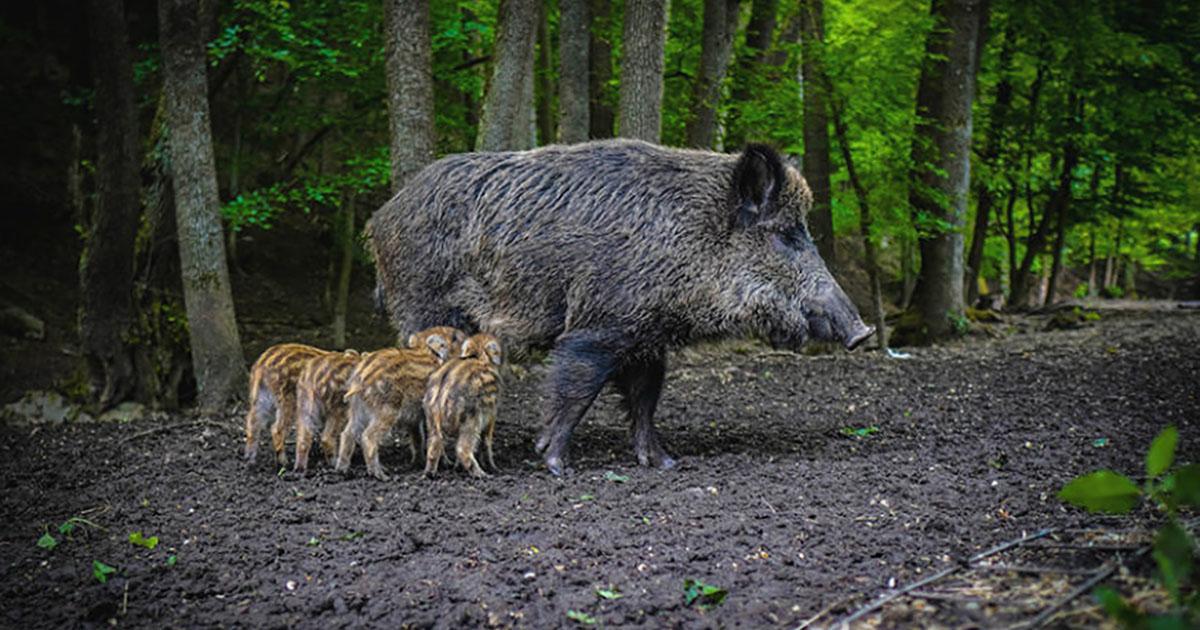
pixel 178 425
pixel 125 600
pixel 821 613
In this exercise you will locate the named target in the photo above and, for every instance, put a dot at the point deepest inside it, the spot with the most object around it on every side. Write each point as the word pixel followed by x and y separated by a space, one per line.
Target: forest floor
pixel 807 486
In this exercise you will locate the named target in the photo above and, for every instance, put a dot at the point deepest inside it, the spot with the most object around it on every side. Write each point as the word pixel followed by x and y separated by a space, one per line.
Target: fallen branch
pixel 178 425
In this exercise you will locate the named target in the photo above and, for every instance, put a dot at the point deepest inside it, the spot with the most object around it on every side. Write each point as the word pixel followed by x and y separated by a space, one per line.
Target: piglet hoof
pixel 479 473
pixel 543 441
pixel 380 475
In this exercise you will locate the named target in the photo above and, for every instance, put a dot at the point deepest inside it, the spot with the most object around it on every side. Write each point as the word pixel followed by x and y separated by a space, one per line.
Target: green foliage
pixel 706 595
pixel 614 477
pixel 860 432
pixel 609 593
pixel 102 571
pixel 581 617
pixel 47 542
pixel 143 541
pixel 1174 549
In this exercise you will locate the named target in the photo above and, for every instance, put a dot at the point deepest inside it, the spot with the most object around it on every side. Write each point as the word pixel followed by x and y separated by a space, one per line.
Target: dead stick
pixel 178 425
pixel 821 613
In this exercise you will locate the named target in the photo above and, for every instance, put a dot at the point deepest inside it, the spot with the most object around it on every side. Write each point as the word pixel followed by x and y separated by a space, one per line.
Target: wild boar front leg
pixel 582 362
pixel 262 407
pixel 641 386
pixel 285 419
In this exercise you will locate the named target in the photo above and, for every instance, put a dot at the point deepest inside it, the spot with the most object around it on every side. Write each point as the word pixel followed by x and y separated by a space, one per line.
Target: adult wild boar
pixel 608 253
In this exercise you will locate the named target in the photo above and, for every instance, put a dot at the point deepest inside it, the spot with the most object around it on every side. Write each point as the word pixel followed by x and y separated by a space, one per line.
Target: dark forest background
pixel 964 154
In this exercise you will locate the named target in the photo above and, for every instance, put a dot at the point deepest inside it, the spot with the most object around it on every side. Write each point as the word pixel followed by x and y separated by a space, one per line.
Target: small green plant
pixel 581 617
pixel 607 593
pixel 142 541
pixel 1113 292
pixel 102 571
pixel 1081 290
pixel 314 542
pixel 1174 549
pixel 66 528
pixel 47 542
pixel 860 432
pixel 351 536
pixel 171 560
pixel 614 477
pixel 706 594
pixel 959 322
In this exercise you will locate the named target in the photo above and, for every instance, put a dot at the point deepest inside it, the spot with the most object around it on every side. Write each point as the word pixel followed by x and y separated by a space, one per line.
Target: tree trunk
pixel 106 264
pixel 545 80
pixel 573 111
pixel 1010 234
pixel 1060 238
pixel 716 46
pixel 760 32
pixel 409 68
pixel 600 112
pixel 527 133
pixel 907 272
pixel 505 122
pixel 985 198
pixel 816 163
pixel 1056 208
pixel 645 38
pixel 1091 286
pixel 943 140
pixel 864 211
pixel 216 349
pixel 342 296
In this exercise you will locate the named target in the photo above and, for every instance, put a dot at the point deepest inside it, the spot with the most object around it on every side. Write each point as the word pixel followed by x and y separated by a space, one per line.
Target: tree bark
pixel 865 221
pixel 409 68
pixel 106 264
pixel 505 123
pixel 601 117
pixel 216 349
pixel 645 38
pixel 545 80
pixel 816 163
pixel 1056 208
pixel 943 140
pixel 716 47
pixel 346 267
pixel 760 32
pixel 573 108
pixel 985 198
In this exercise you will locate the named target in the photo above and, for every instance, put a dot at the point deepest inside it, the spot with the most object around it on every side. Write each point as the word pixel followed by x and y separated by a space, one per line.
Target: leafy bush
pixel 1174 549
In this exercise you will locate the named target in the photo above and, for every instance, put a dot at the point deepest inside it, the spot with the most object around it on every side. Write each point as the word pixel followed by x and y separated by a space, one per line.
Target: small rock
pixel 41 407
pixel 124 413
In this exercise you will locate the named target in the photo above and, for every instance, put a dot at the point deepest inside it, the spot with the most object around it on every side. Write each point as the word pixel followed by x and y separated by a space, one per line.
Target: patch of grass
pixel 581 617
pixel 102 571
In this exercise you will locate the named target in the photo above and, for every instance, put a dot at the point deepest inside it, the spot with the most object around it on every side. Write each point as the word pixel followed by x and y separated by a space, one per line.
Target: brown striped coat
pixel 384 387
pixel 273 394
pixel 320 402
pixel 460 400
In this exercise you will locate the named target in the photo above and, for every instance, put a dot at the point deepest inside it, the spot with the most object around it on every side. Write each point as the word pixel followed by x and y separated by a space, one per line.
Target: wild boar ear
pixel 468 349
pixel 413 340
pixel 757 180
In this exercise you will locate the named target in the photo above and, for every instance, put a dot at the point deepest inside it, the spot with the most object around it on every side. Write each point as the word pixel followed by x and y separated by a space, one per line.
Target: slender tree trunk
pixel 106 265
pixel 601 117
pixel 1056 208
pixel 943 139
pixel 216 349
pixel 716 47
pixel 645 38
pixel 864 212
pixel 817 166
pixel 409 68
pixel 505 122
pixel 907 271
pixel 1010 234
pixel 1091 290
pixel 1060 238
pixel 573 108
pixel 760 32
pixel 342 298
pixel 545 80
pixel 527 133
pixel 985 198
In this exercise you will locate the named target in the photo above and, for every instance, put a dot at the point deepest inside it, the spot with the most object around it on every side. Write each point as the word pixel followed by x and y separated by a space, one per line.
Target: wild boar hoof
pixel 556 465
pixel 542 442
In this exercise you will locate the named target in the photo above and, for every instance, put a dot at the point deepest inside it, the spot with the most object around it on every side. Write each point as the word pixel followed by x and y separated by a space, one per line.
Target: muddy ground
pixel 772 502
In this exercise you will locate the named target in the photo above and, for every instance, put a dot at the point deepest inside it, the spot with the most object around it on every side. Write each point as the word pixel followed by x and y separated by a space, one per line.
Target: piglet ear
pixel 468 350
pixel 757 180
pixel 437 344
pixel 493 350
pixel 413 340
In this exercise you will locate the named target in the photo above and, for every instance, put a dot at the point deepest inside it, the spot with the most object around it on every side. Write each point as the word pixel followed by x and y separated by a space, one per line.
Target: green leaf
pixel 707 594
pixel 581 617
pixel 609 593
pixel 314 542
pixel 66 528
pixel 47 542
pixel 1162 452
pixel 586 497
pixel 1101 491
pixel 614 477
pixel 1187 485
pixel 171 560
pixel 1173 554
pixel 351 536
pixel 102 571
pixel 1100 442
pixel 1118 608
pixel 141 541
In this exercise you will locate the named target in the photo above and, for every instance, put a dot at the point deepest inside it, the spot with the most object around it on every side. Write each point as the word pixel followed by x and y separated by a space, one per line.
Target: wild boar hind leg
pixel 583 361
pixel 641 385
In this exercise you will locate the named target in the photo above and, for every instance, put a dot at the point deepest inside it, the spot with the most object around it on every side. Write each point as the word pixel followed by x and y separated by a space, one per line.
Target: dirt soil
pixel 962 447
